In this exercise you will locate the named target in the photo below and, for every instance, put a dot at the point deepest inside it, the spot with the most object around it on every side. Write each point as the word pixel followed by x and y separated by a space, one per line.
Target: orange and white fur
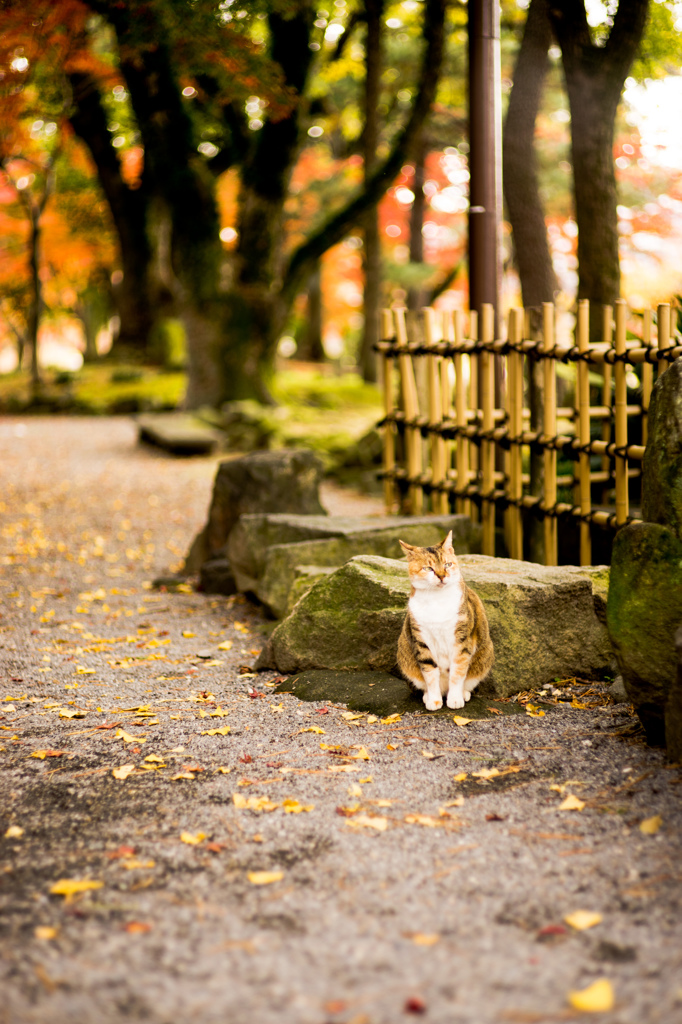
pixel 445 646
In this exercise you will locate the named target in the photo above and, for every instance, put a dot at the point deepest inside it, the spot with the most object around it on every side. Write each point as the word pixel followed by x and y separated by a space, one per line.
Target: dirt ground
pixel 305 864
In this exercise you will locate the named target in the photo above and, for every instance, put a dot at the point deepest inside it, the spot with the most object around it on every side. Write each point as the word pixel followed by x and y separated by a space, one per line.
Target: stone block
pixel 543 621
pixel 662 466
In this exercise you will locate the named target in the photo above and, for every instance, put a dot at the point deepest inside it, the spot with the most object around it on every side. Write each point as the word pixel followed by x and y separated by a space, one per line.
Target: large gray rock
pixel 543 621
pixel 281 481
pixel 644 611
pixel 180 433
pixel 662 468
pixel 267 551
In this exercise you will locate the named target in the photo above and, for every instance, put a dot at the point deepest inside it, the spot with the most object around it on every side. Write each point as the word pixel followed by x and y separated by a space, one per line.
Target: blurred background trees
pixel 213 183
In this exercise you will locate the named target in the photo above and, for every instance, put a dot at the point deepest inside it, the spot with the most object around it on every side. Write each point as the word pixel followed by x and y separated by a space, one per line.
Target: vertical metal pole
pixel 485 155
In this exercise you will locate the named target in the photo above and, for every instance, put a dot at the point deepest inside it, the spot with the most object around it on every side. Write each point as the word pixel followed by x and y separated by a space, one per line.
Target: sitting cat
pixel 444 646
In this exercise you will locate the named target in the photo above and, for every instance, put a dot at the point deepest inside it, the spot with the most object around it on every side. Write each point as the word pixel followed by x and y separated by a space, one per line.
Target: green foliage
pixel 95 390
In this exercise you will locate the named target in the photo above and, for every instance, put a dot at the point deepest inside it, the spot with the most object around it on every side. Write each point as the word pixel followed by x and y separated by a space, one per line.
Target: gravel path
pixel 258 876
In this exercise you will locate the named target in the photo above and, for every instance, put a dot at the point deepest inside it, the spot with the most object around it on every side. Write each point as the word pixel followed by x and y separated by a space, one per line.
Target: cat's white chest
pixel 436 612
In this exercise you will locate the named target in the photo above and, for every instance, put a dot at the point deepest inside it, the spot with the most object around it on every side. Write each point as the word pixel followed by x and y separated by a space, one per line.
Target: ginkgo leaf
pixel 277 707
pixel 367 821
pixel 424 939
pixel 188 634
pixel 571 803
pixel 650 826
pixel 182 775
pixel 423 819
pixel 430 756
pixel 350 716
pixel 135 865
pixel 596 998
pixel 265 877
pixel 293 807
pixel 71 713
pixel 123 771
pixel 70 886
pixel 343 768
pixel 192 839
pixel 14 832
pixel 121 734
pixel 486 773
pixel 391 719
pixel 460 777
pixel 354 790
pixel 534 711
pixel 156 758
pixel 219 713
pixel 313 728
pixel 222 770
pixel 581 920
pixel 460 720
pixel 362 754
pixel 226 645
pixel 253 803
pixel 390 746
pixel 371 719
pixel 45 932
pixel 216 732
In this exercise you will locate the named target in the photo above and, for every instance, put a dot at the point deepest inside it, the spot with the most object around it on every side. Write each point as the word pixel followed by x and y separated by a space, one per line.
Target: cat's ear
pixel 407 548
pixel 446 545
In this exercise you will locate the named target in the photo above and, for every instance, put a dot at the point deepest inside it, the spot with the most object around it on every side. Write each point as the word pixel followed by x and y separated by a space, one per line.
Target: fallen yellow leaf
pixel 581 920
pixel 343 768
pixel 192 840
pixel 14 832
pixel 85 671
pixel 596 998
pixel 354 790
pixel 293 807
pixel 123 771
pixel 423 819
pixel 265 877
pixel 121 734
pixel 350 716
pixel 216 732
pixel 222 770
pixel 486 773
pixel 226 645
pixel 182 775
pixel 650 826
pixel 362 754
pixel 460 777
pixel 71 713
pixel 277 707
pixel 391 719
pixel 571 803
pixel 156 758
pixel 313 728
pixel 534 711
pixel 367 821
pixel 45 932
pixel 188 634
pixel 70 886
pixel 371 719
pixel 219 713
pixel 253 803
pixel 133 865
pixel 390 746
pixel 460 720
pixel 457 802
pixel 367 779
pixel 421 939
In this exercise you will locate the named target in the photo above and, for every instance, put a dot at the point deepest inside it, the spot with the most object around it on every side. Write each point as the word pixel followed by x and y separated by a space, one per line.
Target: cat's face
pixel 432 568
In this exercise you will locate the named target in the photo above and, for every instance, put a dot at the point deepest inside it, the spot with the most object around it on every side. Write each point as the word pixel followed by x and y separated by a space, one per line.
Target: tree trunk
pixel 415 295
pixel 520 176
pixel 36 307
pixel 373 12
pixel 136 301
pixel 310 346
pixel 594 81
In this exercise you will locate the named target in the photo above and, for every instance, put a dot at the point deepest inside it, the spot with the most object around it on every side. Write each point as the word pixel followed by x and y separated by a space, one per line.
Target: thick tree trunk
pixel 373 13
pixel 310 346
pixel 520 176
pixel 136 298
pixel 594 81
pixel 415 295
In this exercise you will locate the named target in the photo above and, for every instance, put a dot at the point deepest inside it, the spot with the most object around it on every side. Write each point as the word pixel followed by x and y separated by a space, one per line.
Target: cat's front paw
pixel 467 695
pixel 455 701
pixel 432 703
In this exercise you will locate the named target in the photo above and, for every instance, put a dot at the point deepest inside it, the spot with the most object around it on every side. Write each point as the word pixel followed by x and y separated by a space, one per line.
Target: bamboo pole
pixel 439 499
pixel 621 415
pixel 389 409
pixel 413 440
pixel 549 431
pixel 607 335
pixel 583 333
pixel 461 409
pixel 647 376
pixel 663 334
pixel 515 393
pixel 474 366
pixel 487 388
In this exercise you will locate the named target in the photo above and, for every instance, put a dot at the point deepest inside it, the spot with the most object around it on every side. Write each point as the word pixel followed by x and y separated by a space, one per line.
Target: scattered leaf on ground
pixel 71 713
pixel 121 734
pixel 70 886
pixel 191 839
pixel 293 807
pixel 14 832
pixel 583 919
pixel 226 645
pixel 423 939
pixel 457 802
pixel 253 803
pixel 313 728
pixel 460 720
pixel 123 771
pixel 371 719
pixel 534 710
pixel 265 877
pixel 415 1004
pixel 392 719
pixel 650 826
pixel 368 821
pixel 596 998
pixel 277 707
pixel 182 775
pixel 45 932
pixel 137 927
pixel 460 777
pixel 486 773
pixel 431 756
pixel 423 819
pixel 135 865
pixel 155 758
pixel 571 803
pixel 42 754
pixel 216 732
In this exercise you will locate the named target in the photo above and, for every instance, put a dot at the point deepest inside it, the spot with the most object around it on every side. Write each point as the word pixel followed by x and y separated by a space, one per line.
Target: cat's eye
pixel 449 565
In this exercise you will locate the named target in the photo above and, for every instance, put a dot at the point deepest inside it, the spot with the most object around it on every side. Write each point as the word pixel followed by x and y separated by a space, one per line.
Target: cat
pixel 445 645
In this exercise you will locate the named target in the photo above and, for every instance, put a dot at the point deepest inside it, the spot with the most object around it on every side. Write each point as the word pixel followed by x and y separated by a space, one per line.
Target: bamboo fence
pixel 457 432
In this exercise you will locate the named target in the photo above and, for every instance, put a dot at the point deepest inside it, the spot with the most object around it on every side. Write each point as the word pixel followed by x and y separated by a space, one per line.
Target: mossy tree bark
pixel 595 76
pixel 373 16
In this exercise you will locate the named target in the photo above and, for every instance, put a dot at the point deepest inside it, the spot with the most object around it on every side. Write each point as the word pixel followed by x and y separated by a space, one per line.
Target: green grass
pixel 95 390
